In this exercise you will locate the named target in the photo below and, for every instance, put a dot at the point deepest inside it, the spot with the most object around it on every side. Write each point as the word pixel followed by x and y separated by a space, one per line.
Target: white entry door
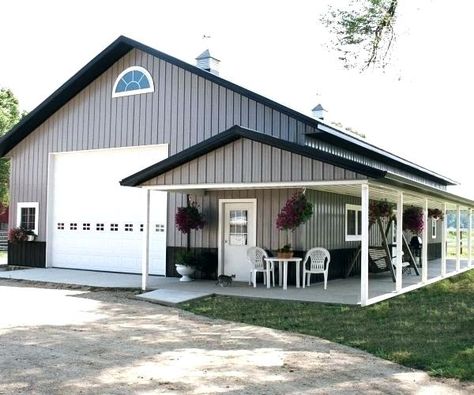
pixel 239 228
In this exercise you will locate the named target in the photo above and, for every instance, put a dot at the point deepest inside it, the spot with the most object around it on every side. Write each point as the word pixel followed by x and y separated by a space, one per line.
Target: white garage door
pixel 95 223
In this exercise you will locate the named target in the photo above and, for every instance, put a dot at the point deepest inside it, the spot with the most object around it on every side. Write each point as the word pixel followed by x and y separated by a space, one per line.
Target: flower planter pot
pixel 185 272
pixel 31 238
pixel 286 255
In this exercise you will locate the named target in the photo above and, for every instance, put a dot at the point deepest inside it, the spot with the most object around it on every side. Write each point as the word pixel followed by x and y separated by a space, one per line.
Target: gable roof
pixel 122 45
pixel 234 133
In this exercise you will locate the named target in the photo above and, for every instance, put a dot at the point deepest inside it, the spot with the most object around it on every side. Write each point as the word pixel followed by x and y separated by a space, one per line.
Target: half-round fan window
pixel 133 81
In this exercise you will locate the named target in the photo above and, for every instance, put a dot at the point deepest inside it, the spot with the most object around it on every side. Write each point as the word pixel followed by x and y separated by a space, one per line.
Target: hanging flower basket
pixel 435 213
pixel 380 209
pixel 413 220
pixel 189 218
pixel 296 211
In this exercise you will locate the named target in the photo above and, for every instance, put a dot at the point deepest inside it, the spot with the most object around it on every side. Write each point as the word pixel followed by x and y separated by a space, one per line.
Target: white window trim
pixel 434 228
pixel 136 91
pixel 21 205
pixel 356 208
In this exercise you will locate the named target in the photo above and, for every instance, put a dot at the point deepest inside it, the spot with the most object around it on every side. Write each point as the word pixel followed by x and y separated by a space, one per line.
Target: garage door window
pixel 27 216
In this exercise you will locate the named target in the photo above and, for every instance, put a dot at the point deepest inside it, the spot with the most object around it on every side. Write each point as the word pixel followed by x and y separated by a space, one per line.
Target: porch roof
pixel 237 132
pixel 384 185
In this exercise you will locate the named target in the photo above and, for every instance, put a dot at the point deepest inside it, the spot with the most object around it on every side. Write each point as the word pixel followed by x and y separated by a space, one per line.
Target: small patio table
pixel 285 261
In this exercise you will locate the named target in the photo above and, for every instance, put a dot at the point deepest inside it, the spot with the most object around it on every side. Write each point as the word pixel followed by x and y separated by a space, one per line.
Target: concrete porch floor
pixel 171 291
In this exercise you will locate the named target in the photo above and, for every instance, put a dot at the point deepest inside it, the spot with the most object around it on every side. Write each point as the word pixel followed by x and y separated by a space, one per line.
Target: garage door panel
pixel 98 224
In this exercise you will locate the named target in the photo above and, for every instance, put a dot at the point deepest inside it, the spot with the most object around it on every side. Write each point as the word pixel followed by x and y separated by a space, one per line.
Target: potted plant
pixel 296 211
pixel 188 218
pixel 285 251
pixel 413 220
pixel 185 265
pixel 435 214
pixel 30 235
pixel 18 234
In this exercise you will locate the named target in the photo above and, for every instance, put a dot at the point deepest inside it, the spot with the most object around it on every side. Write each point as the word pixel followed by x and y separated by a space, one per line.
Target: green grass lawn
pixel 430 329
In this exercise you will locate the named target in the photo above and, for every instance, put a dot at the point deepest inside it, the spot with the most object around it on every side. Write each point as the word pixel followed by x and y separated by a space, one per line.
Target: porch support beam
pixel 399 259
pixel 146 242
pixel 424 246
pixel 444 230
pixel 458 238
pixel 469 241
pixel 364 255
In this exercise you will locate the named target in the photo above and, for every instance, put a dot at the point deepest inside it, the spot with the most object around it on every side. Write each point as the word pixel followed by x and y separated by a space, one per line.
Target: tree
pixel 363 32
pixel 9 116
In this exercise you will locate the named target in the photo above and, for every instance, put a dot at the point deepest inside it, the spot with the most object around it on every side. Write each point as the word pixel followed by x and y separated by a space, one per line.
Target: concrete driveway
pixel 73 341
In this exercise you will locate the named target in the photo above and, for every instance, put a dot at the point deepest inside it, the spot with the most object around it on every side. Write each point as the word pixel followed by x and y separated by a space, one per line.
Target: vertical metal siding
pixel 245 161
pixel 315 143
pixel 325 229
pixel 184 110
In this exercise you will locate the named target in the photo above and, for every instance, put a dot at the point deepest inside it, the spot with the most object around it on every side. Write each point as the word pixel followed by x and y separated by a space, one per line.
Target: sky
pixel 419 107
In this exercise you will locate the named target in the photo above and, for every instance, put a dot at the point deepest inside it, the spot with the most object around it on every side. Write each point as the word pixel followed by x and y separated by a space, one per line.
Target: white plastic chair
pixel 255 257
pixel 319 264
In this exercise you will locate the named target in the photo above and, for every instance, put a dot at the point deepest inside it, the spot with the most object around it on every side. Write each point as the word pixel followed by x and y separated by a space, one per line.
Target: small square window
pixel 160 228
pixel 114 227
pixel 128 227
pixel 61 225
pixel 73 226
pixel 141 227
pixel 86 226
pixel 99 227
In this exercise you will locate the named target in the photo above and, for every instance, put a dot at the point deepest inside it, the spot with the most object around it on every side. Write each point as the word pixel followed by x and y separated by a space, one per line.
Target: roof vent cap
pixel 208 62
pixel 318 112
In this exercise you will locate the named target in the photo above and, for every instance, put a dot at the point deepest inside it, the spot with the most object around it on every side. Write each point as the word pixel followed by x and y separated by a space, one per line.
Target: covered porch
pixel 361 286
pixel 260 171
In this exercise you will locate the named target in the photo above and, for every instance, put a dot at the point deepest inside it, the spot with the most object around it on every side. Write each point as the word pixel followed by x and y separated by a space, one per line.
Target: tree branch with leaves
pixel 9 116
pixel 363 32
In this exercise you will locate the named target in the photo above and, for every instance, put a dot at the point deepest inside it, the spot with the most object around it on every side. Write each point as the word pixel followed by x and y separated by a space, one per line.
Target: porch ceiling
pixel 377 191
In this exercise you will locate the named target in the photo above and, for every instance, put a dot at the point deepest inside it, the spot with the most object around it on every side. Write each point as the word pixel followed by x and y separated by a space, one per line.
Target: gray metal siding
pixel 344 153
pixel 246 161
pixel 325 229
pixel 184 110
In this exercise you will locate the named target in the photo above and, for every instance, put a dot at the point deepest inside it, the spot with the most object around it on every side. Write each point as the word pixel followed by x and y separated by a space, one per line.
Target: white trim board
pixel 256 185
pixel 133 147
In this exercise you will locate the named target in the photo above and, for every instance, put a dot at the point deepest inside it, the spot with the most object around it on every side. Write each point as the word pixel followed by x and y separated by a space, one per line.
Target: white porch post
pixel 399 260
pixel 444 230
pixel 364 252
pixel 424 246
pixel 469 242
pixel 146 242
pixel 458 238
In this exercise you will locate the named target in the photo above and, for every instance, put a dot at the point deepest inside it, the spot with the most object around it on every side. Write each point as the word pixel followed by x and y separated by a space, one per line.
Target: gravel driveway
pixel 70 341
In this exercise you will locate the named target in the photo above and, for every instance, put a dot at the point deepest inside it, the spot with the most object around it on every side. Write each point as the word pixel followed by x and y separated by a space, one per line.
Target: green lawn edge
pixel 430 329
